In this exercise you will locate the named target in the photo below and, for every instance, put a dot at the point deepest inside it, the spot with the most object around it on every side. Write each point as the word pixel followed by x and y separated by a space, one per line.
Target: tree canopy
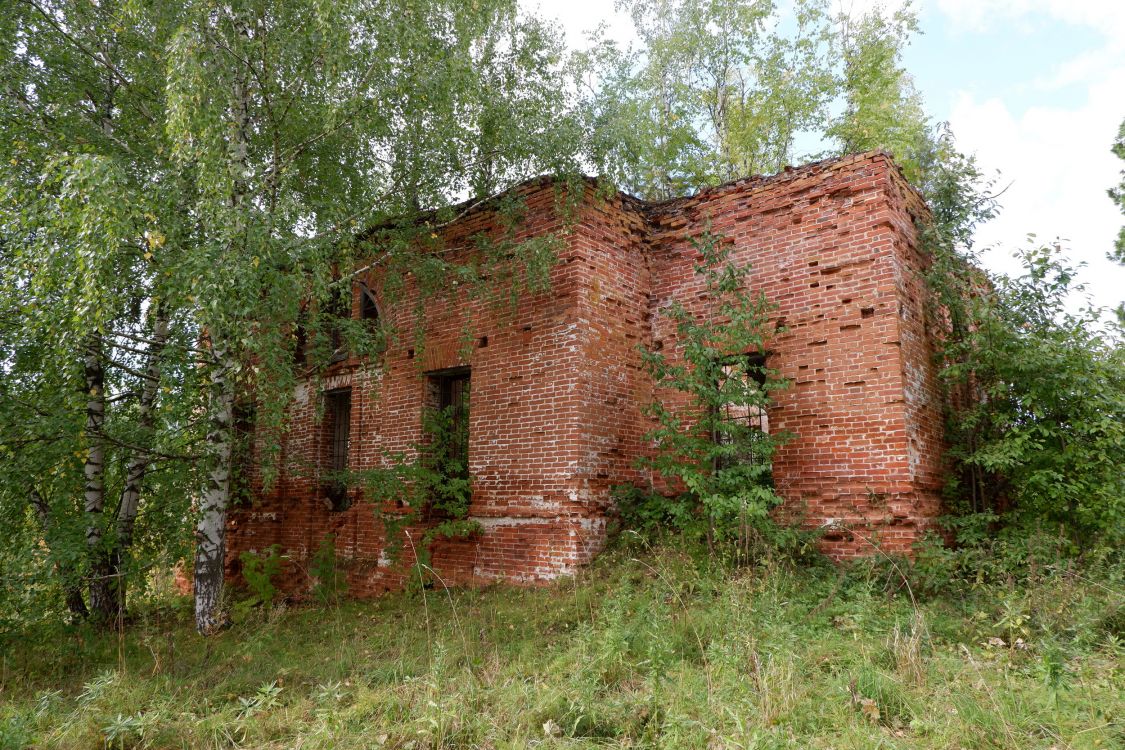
pixel 180 183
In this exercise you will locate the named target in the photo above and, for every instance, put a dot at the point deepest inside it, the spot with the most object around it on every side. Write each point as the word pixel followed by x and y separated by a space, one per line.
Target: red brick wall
pixel 833 246
pixel 557 391
pixel 527 450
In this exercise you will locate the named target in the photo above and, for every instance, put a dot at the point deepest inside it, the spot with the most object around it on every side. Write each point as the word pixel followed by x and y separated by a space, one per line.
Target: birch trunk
pixel 130 503
pixel 210 547
pixel 102 601
pixel 210 534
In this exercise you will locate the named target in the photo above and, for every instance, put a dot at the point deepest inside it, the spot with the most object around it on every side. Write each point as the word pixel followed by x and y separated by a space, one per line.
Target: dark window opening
pixel 301 337
pixel 453 402
pixel 242 452
pixel 368 310
pixel 337 442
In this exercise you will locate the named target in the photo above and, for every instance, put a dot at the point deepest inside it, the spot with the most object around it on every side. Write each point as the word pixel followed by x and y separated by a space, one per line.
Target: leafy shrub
pixel 1036 396
pixel 260 571
pixel 124 731
pixel 331 584
pixel 712 445
pixel 435 487
pixel 14 733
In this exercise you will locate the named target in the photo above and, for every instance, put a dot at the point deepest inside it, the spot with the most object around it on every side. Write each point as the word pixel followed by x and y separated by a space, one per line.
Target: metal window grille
pixel 338 414
pixel 747 368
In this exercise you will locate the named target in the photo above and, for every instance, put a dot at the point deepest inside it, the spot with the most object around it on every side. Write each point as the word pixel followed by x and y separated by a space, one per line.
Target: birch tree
pixel 180 184
pixel 882 108
pixel 716 90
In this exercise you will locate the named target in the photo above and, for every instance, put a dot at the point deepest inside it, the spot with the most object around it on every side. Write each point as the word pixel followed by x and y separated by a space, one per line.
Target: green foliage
pixel 263 699
pixel 444 478
pixel 1032 383
pixel 960 198
pixel 14 734
pixel 716 91
pixel 220 167
pixel 882 108
pixel 1037 402
pixel 331 583
pixel 260 570
pixel 433 489
pixel 124 731
pixel 712 391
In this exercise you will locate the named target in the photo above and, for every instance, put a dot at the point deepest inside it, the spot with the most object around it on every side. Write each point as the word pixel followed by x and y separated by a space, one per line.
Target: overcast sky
pixel 1036 88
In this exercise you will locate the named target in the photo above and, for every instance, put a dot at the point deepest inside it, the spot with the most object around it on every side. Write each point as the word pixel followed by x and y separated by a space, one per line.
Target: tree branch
pixel 113 69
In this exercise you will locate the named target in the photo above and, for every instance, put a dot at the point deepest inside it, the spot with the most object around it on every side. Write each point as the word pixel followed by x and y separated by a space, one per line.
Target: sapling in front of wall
pixel 712 389
pixel 435 488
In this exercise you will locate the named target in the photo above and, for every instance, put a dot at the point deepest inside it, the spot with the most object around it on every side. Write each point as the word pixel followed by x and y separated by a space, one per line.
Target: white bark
pixel 101 600
pixel 210 535
pixel 210 538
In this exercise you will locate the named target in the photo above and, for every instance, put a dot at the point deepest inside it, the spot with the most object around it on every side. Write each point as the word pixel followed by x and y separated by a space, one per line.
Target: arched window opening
pixel 368 309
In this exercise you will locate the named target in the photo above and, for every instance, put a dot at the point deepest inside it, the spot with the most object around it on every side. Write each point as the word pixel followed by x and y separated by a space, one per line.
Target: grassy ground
pixel 645 651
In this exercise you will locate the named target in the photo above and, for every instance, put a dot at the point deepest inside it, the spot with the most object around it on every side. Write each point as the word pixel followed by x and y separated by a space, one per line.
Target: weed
pixel 908 647
pixel 330 583
pixel 122 730
pixel 263 699
pixel 260 571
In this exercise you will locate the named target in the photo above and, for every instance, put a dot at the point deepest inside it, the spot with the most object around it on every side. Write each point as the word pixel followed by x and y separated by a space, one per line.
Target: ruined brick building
pixel 556 390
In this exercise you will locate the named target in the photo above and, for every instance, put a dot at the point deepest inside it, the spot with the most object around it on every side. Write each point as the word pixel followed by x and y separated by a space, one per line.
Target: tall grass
pixel 645 649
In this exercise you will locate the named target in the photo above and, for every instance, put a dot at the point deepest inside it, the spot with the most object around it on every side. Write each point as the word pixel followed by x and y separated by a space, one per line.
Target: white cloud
pixel 1057 159
pixel 579 17
pixel 1105 16
pixel 1084 68
pixel 1059 166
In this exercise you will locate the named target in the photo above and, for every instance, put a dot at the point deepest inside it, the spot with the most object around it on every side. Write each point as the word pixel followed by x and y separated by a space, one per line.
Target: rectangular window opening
pixel 337 443
pixel 739 377
pixel 242 452
pixel 446 426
